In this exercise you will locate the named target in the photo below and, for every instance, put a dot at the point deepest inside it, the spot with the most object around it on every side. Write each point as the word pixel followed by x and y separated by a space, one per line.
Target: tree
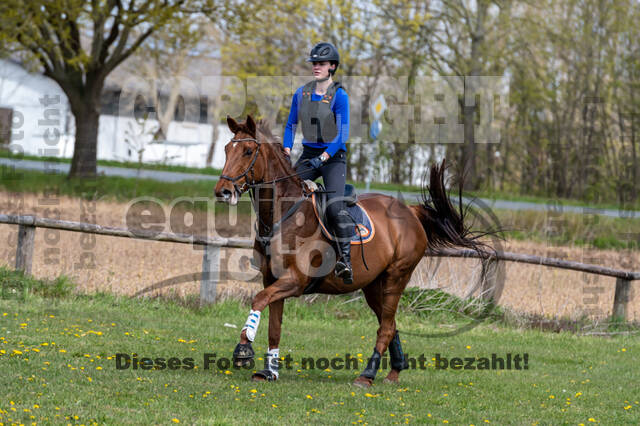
pixel 78 43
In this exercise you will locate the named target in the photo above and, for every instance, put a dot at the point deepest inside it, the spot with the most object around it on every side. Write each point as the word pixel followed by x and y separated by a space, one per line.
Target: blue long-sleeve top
pixel 340 109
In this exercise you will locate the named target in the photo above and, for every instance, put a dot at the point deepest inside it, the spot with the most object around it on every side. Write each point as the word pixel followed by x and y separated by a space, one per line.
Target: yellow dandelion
pixel 309 397
pixel 175 420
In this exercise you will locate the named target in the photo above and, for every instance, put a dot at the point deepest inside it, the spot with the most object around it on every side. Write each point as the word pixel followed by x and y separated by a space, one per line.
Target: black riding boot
pixel 344 228
pixel 343 265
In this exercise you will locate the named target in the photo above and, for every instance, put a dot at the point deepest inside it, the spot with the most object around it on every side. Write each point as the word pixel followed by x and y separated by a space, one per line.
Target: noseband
pixel 246 184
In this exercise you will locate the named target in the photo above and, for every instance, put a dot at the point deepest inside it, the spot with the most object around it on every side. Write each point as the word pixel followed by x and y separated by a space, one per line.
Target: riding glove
pixel 316 162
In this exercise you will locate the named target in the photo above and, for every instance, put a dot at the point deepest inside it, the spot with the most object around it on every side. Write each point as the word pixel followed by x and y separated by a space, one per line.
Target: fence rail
pixel 211 258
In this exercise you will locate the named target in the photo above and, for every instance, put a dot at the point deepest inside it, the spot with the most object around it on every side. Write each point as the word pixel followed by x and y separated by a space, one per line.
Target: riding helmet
pixel 325 51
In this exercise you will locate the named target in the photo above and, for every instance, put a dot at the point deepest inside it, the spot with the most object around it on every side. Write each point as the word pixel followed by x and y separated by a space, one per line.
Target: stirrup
pixel 343 270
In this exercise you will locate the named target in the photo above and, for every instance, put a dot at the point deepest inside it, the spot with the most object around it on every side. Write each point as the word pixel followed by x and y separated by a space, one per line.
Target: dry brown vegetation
pixel 128 266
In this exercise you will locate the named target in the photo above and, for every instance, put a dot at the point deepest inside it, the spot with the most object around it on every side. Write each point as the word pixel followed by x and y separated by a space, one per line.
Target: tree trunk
pixel 469 148
pixel 85 149
pixel 84 100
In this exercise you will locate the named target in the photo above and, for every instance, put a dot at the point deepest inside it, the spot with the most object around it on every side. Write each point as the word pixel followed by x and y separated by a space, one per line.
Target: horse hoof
pixel 362 382
pixel 264 376
pixel 239 363
pixel 392 378
pixel 243 354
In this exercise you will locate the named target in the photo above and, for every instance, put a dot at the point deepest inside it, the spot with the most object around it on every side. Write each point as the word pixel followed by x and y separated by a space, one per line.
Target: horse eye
pixel 248 152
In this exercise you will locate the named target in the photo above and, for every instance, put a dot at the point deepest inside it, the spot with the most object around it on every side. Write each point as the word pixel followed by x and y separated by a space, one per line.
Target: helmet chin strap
pixel 323 79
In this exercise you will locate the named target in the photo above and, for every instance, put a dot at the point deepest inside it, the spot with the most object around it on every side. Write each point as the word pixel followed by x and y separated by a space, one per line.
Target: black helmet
pixel 325 52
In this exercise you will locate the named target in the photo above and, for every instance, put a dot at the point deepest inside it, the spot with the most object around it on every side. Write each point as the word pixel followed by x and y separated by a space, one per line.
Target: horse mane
pixel 264 128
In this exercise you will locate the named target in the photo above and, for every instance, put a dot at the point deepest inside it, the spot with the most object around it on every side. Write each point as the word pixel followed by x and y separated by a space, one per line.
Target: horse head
pixel 253 156
pixel 244 165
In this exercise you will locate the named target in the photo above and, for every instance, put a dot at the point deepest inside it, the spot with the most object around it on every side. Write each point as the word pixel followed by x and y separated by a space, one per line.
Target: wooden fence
pixel 211 259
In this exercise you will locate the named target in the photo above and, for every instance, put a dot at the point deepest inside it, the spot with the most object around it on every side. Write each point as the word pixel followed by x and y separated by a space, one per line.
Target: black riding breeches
pixel 333 173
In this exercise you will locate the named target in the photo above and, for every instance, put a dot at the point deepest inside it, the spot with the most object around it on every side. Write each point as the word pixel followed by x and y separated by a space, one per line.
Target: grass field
pixel 57 354
pixel 493 194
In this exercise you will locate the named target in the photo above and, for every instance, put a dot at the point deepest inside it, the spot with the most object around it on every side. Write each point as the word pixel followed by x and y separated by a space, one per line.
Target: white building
pixel 42 123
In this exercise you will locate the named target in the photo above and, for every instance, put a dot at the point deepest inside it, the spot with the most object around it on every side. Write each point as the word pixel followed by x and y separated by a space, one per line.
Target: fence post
pixel 210 274
pixel 24 251
pixel 621 298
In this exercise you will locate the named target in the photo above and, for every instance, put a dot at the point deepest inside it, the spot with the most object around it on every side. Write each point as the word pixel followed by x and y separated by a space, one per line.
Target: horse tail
pixel 444 225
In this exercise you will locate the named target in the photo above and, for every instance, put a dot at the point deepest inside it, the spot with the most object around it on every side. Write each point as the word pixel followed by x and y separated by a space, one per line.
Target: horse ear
pixel 251 125
pixel 233 125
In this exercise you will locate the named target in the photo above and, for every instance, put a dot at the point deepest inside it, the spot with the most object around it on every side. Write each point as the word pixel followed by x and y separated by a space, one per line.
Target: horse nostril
pixel 226 193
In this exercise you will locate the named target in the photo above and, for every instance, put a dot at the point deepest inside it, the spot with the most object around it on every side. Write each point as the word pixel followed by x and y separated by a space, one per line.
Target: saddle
pixel 362 224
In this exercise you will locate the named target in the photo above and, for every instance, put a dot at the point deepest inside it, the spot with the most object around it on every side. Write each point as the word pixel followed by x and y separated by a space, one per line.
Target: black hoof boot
pixel 343 265
pixel 243 354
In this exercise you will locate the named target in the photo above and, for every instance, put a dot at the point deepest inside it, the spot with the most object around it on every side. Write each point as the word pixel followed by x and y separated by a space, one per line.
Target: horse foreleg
pixel 278 291
pixel 272 357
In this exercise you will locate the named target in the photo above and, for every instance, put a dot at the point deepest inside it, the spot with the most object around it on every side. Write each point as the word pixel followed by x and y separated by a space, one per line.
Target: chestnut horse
pixel 293 253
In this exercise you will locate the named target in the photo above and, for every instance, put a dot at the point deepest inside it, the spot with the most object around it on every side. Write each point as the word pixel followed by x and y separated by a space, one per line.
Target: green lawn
pixel 57 359
pixel 114 163
pixel 493 195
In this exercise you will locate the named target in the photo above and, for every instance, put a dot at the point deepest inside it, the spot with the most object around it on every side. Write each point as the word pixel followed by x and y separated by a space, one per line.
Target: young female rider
pixel 322 107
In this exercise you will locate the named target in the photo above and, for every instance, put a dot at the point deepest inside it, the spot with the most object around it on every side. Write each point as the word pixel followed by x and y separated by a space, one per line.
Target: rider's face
pixel 321 69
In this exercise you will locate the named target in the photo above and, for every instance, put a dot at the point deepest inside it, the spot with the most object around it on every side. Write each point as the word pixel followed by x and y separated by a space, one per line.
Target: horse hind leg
pixel 399 360
pixel 373 296
pixel 389 289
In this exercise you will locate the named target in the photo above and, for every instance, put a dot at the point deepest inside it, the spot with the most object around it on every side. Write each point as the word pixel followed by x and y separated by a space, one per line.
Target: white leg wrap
pixel 273 361
pixel 251 326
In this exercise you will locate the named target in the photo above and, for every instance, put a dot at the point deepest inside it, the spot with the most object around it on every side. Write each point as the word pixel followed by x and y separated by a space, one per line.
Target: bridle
pixel 245 185
pixel 264 240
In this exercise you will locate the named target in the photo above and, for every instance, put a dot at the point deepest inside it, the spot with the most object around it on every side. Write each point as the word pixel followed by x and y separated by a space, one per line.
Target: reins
pixel 266 239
